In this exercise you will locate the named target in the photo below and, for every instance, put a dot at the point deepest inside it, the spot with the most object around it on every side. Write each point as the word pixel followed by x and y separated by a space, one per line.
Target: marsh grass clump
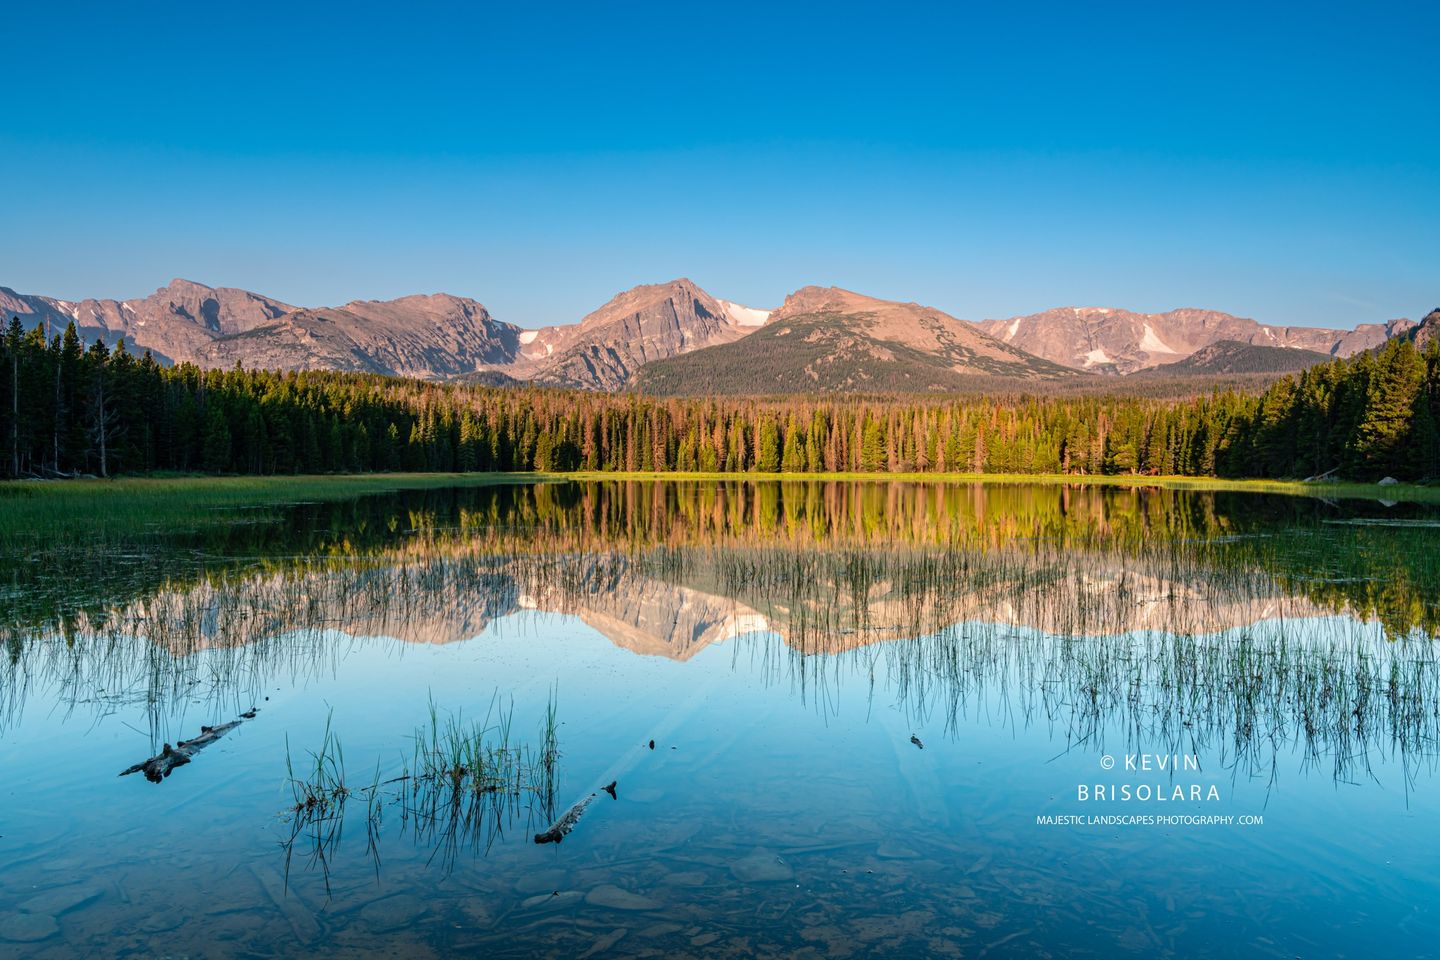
pixel 318 800
pixel 323 788
pixel 463 783
pixel 477 756
pixel 468 780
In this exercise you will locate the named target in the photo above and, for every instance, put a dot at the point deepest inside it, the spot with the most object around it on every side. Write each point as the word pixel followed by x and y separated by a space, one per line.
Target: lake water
pixel 887 720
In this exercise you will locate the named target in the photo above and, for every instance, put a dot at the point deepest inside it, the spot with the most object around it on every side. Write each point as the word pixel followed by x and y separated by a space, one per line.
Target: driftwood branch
pixel 566 823
pixel 159 767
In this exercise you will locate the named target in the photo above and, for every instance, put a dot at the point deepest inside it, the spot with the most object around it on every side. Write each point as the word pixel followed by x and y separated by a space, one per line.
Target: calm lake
pixel 839 720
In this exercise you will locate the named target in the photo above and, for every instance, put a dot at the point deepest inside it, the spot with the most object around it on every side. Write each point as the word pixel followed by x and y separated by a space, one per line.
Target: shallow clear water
pixel 781 645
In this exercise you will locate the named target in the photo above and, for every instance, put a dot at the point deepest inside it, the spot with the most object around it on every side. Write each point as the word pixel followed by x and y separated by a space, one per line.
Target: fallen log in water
pixel 571 817
pixel 158 767
pixel 566 823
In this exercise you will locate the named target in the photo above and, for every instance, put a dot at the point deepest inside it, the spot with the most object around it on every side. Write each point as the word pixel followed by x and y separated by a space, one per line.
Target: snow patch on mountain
pixel 1151 343
pixel 743 316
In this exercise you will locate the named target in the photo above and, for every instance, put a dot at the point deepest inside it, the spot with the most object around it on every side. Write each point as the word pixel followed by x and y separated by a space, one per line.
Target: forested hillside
pixel 67 409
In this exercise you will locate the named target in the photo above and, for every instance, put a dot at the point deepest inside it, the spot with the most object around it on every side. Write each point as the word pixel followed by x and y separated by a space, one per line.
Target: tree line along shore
pixel 71 410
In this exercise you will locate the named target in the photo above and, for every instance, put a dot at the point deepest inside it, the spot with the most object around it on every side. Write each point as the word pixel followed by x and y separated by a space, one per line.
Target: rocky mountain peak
pixel 1427 330
pixel 817 299
pixel 182 286
pixel 648 322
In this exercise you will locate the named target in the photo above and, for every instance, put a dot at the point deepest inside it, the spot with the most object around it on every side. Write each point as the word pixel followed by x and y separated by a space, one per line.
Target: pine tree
pixel 14 343
pixel 767 446
pixel 215 451
pixel 873 446
pixel 1384 423
pixel 1424 441
pixel 794 459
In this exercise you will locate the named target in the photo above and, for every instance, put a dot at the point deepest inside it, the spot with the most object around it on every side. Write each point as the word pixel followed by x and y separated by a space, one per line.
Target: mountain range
pixel 676 338
pixel 1108 340
pixel 831 340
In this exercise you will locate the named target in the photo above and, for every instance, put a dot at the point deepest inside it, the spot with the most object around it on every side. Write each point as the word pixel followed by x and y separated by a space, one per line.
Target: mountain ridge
pixel 1119 341
pixel 842 340
pixel 828 339
pixel 1225 357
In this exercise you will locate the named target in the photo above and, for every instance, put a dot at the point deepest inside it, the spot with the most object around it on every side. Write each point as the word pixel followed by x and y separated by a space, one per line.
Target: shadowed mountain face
pixel 1234 357
pixel 834 340
pixel 1108 340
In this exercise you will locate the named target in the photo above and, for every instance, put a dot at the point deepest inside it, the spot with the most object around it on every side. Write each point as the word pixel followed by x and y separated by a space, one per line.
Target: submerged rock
pixel 890 850
pixel 27 927
pixel 605 942
pixel 662 929
pixel 162 922
pixel 552 901
pixel 686 878
pixel 392 913
pixel 60 900
pixel 761 866
pixel 609 895
pixel 301 918
pixel 543 881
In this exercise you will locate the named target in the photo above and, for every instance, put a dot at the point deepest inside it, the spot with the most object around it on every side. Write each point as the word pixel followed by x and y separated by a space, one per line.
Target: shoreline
pixel 379 482
pixel 232 490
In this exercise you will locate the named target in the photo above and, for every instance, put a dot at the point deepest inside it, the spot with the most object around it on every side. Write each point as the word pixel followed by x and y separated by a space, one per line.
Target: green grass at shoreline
pixel 100 507
pixel 30 508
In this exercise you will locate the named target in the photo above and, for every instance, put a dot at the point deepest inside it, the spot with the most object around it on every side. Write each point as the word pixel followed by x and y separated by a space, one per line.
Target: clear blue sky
pixel 1276 161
